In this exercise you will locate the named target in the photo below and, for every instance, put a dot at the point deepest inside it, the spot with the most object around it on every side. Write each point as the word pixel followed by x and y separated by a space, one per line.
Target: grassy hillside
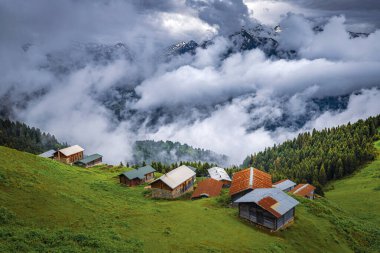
pixel 48 206
pixel 359 194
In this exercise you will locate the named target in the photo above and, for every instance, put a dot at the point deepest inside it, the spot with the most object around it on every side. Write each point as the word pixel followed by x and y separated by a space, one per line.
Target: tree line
pixel 169 152
pixel 17 135
pixel 319 156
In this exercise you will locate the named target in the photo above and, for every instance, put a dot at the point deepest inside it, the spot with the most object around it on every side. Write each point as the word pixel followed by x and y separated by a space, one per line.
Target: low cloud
pixel 110 95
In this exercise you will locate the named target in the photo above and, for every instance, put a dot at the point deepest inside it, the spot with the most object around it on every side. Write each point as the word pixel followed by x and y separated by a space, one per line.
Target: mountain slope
pixel 41 210
pixel 359 194
pixel 25 138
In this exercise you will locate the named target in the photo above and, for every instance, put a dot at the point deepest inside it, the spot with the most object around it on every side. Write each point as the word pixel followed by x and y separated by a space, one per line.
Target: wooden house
pixel 174 183
pixel 267 207
pixel 69 155
pixel 207 188
pixel 284 185
pixel 246 180
pixel 304 190
pixel 137 176
pixel 221 175
pixel 90 161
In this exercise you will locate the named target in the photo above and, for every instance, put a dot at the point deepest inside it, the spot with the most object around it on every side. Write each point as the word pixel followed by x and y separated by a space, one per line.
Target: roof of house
pixel 71 150
pixel 48 154
pixel 177 176
pixel 208 188
pixel 273 200
pixel 89 158
pixel 139 172
pixel 218 174
pixel 284 184
pixel 192 168
pixel 303 190
pixel 250 179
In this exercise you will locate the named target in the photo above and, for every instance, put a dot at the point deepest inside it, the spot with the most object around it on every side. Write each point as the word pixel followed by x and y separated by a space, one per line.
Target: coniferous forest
pixel 24 138
pixel 319 156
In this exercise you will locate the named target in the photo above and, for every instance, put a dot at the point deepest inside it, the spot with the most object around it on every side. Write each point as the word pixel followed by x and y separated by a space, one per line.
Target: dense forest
pixel 24 138
pixel 319 156
pixel 168 152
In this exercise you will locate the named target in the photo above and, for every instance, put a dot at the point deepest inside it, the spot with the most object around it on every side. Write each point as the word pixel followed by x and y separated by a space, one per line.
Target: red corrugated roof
pixel 267 204
pixel 209 187
pixel 303 190
pixel 242 180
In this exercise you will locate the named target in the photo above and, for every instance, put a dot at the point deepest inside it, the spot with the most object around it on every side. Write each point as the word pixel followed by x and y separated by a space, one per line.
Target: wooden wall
pixel 124 180
pixel 258 215
pixel 68 159
pixel 161 190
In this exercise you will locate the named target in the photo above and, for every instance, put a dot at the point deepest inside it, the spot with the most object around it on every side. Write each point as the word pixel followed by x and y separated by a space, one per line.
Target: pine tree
pixel 322 178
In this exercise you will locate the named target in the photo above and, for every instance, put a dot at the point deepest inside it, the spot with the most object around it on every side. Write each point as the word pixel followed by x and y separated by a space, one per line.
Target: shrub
pixel 224 200
pixel 6 216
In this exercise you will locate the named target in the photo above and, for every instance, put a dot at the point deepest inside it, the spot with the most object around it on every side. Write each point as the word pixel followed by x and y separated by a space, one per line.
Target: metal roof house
pixel 207 188
pixel 137 176
pixel 267 207
pixel 48 154
pixel 219 174
pixel 304 190
pixel 174 183
pixel 246 180
pixel 69 155
pixel 284 185
pixel 90 161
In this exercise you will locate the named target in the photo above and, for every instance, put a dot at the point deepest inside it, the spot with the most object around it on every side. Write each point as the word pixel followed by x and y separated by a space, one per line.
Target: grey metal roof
pixel 89 158
pixel 284 184
pixel 284 201
pixel 192 168
pixel 138 173
pixel 71 150
pixel 48 154
pixel 218 174
pixel 177 176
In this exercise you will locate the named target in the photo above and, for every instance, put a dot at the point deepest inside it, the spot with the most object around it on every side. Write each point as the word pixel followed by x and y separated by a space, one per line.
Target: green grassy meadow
pixel 359 194
pixel 46 206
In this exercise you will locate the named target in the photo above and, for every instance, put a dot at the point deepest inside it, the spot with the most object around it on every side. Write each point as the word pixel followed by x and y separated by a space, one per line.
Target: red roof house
pixel 246 180
pixel 207 188
pixel 304 190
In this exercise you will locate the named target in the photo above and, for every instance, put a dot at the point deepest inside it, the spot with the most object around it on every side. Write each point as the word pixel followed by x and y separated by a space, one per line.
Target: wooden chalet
pixel 267 207
pixel 304 190
pixel 284 185
pixel 90 161
pixel 174 183
pixel 69 155
pixel 207 188
pixel 221 175
pixel 246 180
pixel 137 176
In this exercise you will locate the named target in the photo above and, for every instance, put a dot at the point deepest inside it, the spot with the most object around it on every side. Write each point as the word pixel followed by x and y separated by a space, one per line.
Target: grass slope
pixel 359 194
pixel 48 206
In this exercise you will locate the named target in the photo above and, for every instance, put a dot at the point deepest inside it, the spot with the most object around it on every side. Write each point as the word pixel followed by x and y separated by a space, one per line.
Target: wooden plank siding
pixel 258 215
pixel 162 190
pixel 136 181
pixel 68 159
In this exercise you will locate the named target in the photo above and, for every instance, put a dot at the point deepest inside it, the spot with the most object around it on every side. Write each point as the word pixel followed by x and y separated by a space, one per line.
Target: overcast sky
pixel 204 100
pixel 360 14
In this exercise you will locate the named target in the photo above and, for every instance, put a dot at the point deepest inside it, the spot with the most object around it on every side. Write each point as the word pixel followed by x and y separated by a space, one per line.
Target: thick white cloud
pixel 73 115
pixel 250 71
pixel 225 130
pixel 360 106
pixel 205 99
